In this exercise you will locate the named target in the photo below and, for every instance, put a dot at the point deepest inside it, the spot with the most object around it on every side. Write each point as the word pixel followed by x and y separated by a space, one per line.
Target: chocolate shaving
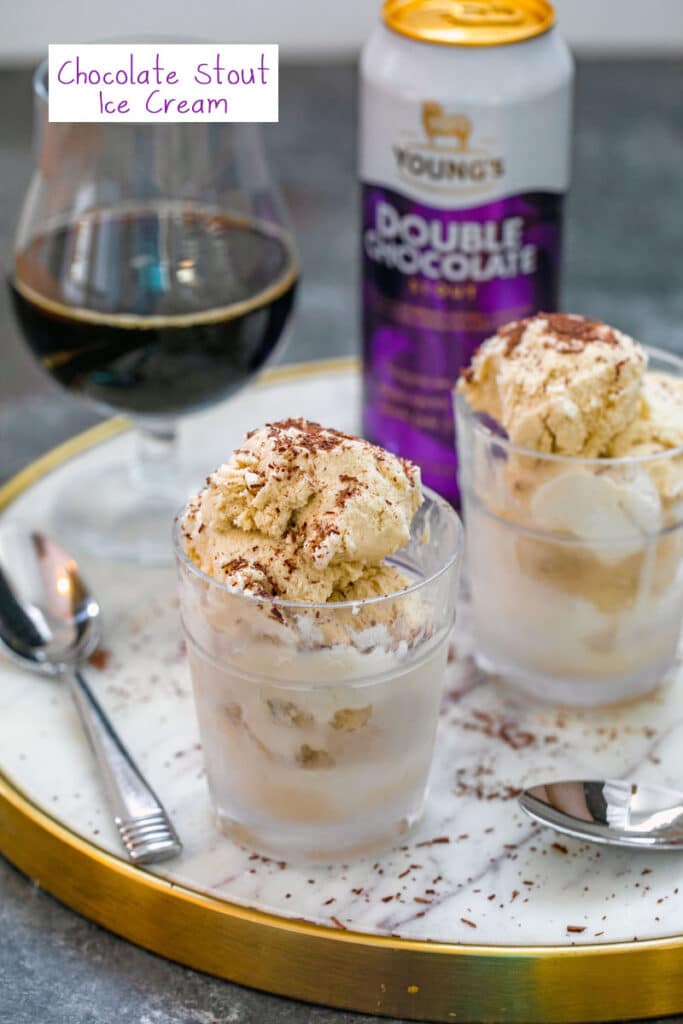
pixel 433 842
pixel 100 658
pixel 512 334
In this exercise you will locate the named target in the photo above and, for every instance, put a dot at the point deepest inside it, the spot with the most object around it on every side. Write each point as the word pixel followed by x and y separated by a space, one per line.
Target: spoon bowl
pixel 614 812
pixel 49 620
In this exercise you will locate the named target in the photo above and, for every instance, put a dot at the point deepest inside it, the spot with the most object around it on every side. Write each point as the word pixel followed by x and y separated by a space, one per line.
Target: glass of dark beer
pixel 154 273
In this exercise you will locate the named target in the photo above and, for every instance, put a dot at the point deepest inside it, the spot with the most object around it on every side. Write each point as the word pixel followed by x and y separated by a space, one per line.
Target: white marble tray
pixel 477 871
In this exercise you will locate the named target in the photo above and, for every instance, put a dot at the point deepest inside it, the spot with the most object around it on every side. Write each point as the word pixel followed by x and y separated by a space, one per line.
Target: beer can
pixel 465 121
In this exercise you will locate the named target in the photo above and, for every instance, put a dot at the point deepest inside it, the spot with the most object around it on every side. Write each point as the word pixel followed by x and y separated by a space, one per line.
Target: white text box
pixel 159 83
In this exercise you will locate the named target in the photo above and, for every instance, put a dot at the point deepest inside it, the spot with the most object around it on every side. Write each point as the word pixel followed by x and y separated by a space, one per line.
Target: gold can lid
pixel 469 22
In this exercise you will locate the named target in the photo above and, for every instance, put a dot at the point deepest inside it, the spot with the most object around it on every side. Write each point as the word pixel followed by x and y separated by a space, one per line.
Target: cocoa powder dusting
pixel 100 658
pixel 512 334
pixel 571 333
pixel 579 328
pixel 310 436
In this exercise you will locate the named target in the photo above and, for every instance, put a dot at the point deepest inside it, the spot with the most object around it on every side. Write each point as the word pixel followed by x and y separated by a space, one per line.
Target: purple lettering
pixel 110 107
pixel 206 77
pixel 149 100
pixel 64 81
pixel 263 69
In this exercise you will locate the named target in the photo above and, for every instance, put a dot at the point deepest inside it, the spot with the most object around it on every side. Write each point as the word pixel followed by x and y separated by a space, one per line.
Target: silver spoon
pixel 613 812
pixel 50 623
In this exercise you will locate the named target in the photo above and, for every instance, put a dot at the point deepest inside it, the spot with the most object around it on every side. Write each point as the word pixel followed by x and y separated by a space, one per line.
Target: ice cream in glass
pixel 570 436
pixel 318 586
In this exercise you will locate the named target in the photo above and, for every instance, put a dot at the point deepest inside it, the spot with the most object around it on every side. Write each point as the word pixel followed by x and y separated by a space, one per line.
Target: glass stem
pixel 155 469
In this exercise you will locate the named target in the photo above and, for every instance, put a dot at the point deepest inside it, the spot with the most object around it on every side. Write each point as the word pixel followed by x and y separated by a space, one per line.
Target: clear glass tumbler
pixel 318 720
pixel 575 565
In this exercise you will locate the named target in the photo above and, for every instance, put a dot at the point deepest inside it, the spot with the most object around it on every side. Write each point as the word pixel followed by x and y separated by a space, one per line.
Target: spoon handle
pixel 144 826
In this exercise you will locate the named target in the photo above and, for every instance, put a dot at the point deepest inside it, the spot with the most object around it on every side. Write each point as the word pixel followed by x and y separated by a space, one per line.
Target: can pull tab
pixel 468 12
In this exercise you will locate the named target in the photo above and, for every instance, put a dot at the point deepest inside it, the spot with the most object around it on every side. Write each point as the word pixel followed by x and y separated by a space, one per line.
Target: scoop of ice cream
pixel 611 512
pixel 304 513
pixel 558 383
pixel 658 424
pixel 657 427
pixel 250 561
pixel 376 581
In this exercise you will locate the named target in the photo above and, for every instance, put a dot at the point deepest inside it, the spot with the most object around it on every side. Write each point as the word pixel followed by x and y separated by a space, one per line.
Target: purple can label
pixel 436 283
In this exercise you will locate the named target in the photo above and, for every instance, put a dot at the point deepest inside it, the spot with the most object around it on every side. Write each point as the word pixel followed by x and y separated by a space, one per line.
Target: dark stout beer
pixel 155 309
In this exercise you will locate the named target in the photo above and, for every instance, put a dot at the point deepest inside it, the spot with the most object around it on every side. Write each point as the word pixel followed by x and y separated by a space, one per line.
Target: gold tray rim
pixel 383 975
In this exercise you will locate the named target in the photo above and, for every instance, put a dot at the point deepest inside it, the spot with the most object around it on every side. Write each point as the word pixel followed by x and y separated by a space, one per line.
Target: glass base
pixel 107 516
pixel 321 844
pixel 577 692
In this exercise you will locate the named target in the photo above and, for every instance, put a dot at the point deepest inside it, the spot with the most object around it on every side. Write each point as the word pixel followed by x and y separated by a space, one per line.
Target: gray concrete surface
pixel 624 264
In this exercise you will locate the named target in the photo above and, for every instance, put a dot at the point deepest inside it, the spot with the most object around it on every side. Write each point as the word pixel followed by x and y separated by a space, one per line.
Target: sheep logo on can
pixel 442 157
pixel 438 124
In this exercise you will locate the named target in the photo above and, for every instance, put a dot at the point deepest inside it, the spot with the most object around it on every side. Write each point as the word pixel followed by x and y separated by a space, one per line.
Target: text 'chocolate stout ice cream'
pixel 575 551
pixel 304 513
